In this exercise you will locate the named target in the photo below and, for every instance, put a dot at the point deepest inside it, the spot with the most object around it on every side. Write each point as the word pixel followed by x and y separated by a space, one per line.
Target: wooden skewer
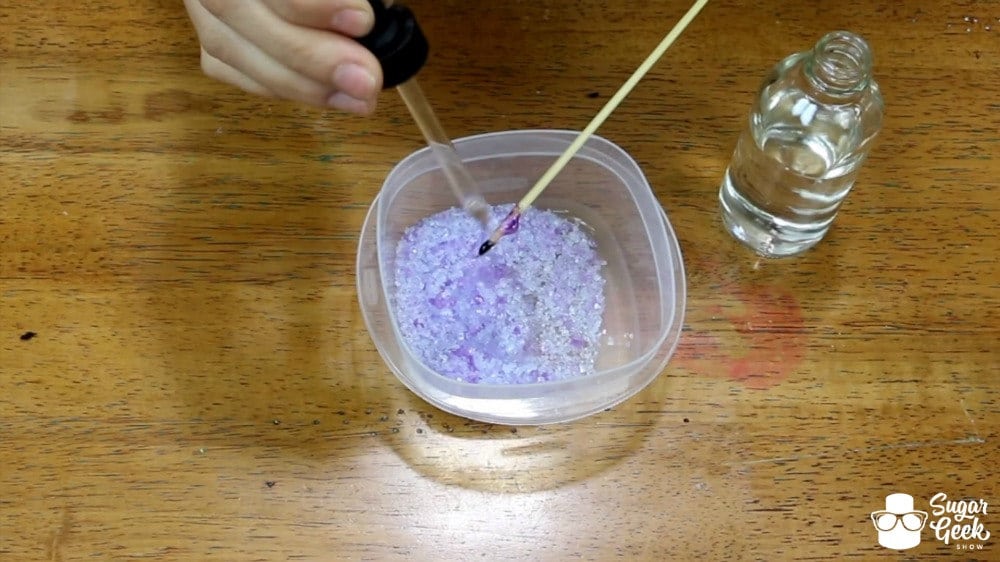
pixel 510 223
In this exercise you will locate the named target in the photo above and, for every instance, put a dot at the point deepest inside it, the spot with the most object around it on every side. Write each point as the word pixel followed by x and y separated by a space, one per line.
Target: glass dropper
pixel 401 48
pixel 456 174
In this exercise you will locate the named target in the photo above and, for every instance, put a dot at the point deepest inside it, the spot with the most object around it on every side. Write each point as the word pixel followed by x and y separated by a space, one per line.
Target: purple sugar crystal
pixel 529 311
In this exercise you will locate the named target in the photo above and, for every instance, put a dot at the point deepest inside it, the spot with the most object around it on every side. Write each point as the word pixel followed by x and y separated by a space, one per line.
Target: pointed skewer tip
pixel 486 247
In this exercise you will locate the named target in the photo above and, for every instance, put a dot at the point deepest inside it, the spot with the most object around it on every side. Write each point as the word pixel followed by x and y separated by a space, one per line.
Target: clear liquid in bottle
pixel 799 156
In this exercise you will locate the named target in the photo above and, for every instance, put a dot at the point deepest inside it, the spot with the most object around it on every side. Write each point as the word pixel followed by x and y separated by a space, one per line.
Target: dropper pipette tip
pixel 456 174
pixel 479 209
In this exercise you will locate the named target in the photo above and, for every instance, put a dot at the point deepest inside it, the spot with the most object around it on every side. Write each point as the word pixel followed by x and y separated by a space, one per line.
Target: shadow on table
pixel 455 451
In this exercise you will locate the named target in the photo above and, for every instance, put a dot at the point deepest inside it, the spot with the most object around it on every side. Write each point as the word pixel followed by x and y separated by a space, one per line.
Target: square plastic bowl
pixel 604 188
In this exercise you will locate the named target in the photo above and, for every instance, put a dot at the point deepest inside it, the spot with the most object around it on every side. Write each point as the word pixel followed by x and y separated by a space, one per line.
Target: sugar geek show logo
pixel 957 523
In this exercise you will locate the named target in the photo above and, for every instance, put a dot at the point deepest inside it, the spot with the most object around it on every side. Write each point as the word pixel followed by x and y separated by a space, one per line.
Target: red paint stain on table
pixel 771 334
pixel 765 341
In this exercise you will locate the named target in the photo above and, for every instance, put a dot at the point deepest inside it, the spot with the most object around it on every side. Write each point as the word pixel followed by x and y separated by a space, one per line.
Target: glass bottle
pixel 812 125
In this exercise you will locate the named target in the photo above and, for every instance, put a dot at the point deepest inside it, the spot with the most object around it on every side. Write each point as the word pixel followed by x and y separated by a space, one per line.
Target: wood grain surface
pixel 185 374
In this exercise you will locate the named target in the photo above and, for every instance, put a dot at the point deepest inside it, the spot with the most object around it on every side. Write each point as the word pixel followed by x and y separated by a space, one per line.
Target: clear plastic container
pixel 601 186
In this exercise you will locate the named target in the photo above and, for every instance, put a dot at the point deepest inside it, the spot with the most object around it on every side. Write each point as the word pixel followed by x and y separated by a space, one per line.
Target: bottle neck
pixel 840 64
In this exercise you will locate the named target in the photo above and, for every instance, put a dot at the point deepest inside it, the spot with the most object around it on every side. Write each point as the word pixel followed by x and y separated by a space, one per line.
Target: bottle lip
pixel 841 63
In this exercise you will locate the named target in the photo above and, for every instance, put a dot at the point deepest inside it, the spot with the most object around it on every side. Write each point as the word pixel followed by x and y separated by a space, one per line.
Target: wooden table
pixel 200 384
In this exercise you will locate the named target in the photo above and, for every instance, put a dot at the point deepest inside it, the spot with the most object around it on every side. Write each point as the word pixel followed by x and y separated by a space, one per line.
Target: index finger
pixel 350 17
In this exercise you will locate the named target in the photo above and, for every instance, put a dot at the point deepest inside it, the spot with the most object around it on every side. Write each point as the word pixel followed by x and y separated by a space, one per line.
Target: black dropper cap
pixel 397 41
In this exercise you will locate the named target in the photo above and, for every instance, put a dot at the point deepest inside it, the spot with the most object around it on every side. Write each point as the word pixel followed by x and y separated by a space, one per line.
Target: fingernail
pixel 352 22
pixel 344 102
pixel 355 80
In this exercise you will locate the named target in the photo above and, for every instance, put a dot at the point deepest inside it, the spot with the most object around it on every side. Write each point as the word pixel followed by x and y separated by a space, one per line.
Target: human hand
pixel 300 50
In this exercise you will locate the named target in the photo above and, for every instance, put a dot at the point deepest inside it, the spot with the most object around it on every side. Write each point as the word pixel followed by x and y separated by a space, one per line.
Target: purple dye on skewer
pixel 509 226
pixel 512 222
pixel 505 318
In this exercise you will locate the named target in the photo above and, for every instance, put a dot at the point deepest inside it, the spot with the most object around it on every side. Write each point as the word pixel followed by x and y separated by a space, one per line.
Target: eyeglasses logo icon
pixel 912 521
pixel 899 525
